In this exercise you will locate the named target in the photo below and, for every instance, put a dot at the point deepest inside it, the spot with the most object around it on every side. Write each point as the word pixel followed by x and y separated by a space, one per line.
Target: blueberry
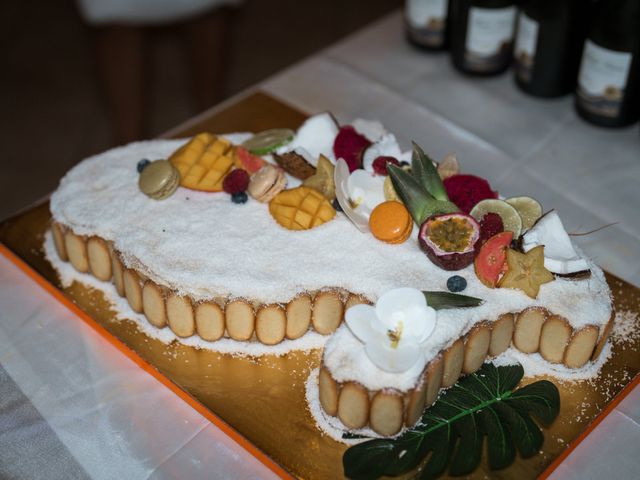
pixel 142 164
pixel 240 197
pixel 336 205
pixel 456 283
pixel 404 163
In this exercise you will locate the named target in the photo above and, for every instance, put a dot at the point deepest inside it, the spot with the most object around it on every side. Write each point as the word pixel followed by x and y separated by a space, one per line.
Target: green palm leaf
pixel 442 300
pixel 484 404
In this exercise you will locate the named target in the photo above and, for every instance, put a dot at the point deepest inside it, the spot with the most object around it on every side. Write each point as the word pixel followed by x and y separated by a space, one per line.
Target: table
pixel 72 406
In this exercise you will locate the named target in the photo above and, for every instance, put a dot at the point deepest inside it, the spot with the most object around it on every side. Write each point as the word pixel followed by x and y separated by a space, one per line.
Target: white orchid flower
pixel 366 190
pixel 394 330
pixel 358 193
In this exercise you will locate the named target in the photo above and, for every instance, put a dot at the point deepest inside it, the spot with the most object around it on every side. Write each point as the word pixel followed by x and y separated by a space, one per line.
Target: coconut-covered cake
pixel 414 272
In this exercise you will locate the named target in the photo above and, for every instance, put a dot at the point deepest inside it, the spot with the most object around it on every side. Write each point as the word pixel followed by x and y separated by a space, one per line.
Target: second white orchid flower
pixel 394 330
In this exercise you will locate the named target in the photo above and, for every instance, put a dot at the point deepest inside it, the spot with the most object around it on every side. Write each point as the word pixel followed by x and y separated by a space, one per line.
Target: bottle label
pixel 426 21
pixel 525 49
pixel 489 37
pixel 602 79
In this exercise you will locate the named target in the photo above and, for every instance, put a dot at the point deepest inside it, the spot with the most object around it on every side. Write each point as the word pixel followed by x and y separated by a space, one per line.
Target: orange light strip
pixel 147 367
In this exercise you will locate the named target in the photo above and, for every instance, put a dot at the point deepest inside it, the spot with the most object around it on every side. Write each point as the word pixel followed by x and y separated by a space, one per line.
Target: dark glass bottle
pixel 609 76
pixel 482 35
pixel 548 45
pixel 426 23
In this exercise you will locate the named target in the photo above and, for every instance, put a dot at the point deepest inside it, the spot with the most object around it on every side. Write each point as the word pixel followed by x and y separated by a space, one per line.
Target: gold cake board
pixel 261 402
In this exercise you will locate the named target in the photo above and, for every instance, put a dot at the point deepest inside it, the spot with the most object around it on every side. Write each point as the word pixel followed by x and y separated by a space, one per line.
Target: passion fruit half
pixel 449 240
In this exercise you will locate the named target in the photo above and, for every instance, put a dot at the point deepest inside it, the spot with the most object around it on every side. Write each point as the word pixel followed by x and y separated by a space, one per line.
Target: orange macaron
pixel 391 222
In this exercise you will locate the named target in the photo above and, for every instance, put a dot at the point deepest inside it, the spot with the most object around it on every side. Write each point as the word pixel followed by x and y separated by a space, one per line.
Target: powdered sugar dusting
pixel 625 330
pixel 345 357
pixel 67 275
pixel 534 365
pixel 626 327
pixel 202 245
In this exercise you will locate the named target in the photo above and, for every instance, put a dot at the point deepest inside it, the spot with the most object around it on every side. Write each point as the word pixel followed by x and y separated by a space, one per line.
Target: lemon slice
pixel 529 209
pixel 510 216
pixel 268 140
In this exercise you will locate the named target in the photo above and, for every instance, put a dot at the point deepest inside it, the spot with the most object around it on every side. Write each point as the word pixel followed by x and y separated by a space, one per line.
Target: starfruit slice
pixel 323 180
pixel 526 271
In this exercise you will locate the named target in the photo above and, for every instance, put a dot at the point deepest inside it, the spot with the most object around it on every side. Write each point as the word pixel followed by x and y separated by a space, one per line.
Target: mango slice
pixel 301 208
pixel 203 162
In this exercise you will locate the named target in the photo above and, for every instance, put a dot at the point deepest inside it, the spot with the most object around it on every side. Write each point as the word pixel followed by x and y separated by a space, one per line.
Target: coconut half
pixel 560 255
pixel 314 138
pixel 372 129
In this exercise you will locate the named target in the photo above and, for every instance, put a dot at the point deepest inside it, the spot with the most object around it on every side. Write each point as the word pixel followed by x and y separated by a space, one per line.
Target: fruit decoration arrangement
pixel 361 172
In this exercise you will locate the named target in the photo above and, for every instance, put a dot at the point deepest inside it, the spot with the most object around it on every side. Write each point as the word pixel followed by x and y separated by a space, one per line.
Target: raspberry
pixel 490 225
pixel 236 181
pixel 380 164
pixel 467 190
pixel 349 146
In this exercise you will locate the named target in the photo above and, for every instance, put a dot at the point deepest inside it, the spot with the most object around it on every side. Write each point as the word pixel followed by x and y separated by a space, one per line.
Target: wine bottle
pixel 549 45
pixel 482 35
pixel 426 23
pixel 609 76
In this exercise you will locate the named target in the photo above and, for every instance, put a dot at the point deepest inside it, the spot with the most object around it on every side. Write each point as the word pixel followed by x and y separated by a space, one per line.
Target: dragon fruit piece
pixel 467 190
pixel 349 146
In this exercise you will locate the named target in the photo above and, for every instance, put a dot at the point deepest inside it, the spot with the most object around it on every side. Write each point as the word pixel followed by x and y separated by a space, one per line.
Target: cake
pixel 209 237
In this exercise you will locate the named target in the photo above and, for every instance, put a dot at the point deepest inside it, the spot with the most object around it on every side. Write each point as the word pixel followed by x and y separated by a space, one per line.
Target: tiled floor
pixel 52 112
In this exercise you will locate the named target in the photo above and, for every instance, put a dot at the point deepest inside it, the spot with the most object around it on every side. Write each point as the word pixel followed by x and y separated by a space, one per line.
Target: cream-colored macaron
pixel 266 183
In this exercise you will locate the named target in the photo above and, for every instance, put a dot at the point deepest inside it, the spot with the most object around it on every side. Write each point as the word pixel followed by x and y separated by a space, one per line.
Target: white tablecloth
pixel 72 404
pixel 97 409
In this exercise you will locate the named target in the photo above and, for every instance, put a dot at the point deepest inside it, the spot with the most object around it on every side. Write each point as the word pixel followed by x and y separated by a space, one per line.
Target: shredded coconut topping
pixel 204 246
